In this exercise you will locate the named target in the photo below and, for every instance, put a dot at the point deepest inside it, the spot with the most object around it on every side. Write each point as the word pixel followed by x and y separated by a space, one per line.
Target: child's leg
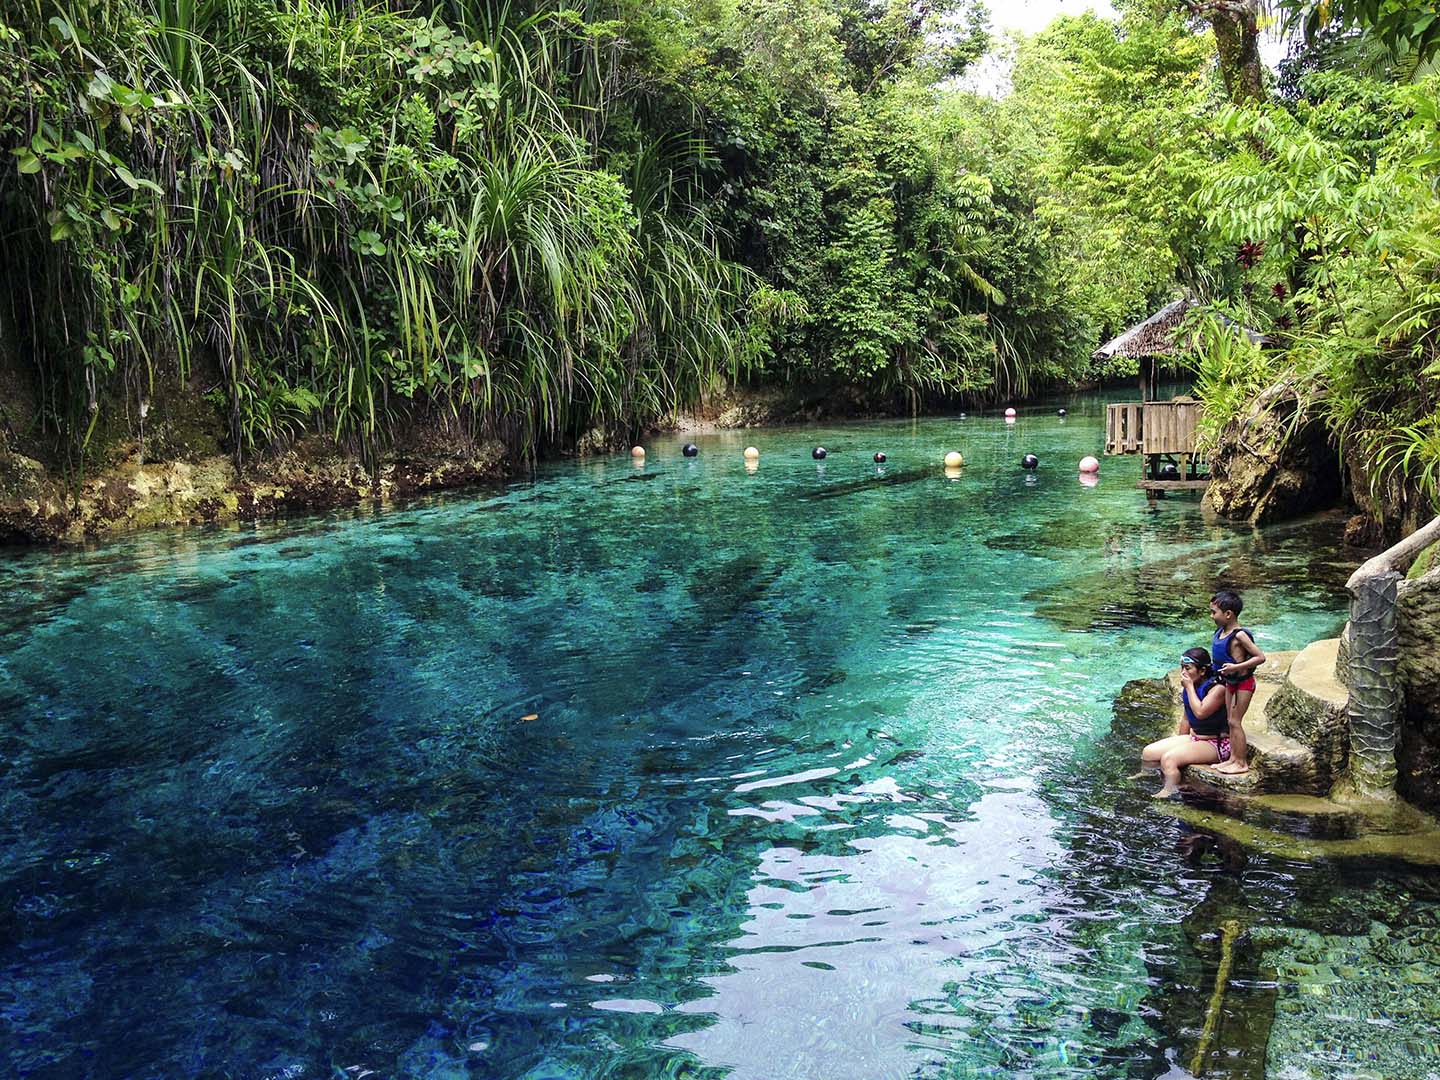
pixel 1236 705
pixel 1194 752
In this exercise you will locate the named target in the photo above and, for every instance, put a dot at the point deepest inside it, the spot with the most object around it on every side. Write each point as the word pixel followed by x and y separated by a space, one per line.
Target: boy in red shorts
pixel 1236 657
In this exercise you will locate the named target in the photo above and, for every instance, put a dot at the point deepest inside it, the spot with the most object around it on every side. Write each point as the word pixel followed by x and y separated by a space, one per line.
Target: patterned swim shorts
pixel 1222 744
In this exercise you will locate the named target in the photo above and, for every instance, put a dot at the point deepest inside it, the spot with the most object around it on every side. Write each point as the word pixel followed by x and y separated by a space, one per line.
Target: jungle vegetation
pixel 525 220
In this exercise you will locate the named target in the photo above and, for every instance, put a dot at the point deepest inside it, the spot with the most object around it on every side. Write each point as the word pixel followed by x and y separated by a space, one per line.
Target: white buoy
pixel 1010 414
pixel 752 454
pixel 1089 464
pixel 953 460
pixel 637 451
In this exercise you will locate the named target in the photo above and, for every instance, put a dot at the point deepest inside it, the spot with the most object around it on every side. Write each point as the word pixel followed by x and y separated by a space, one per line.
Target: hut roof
pixel 1156 335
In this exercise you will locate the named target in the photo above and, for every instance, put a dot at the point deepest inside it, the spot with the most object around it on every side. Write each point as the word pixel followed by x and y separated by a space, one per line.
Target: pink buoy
pixel 1010 413
pixel 1089 464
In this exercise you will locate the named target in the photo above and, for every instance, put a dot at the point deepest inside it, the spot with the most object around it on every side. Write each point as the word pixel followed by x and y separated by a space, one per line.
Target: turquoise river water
pixel 809 772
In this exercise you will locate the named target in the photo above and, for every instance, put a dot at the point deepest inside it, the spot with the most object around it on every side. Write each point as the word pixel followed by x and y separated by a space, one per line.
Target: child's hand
pixel 1187 675
pixel 1226 669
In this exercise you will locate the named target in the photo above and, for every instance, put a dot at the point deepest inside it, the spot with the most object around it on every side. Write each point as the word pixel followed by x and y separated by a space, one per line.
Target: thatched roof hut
pixel 1156 335
pixel 1155 338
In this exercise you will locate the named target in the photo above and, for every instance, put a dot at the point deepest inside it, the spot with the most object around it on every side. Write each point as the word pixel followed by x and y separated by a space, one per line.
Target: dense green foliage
pixel 1331 201
pixel 346 215
pixel 532 220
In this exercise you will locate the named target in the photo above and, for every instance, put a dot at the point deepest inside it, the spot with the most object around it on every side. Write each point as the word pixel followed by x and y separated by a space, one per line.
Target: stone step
pixel 1342 658
pixel 1278 765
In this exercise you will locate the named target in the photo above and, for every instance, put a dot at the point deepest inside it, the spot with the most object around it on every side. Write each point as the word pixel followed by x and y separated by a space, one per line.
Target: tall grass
pixel 342 218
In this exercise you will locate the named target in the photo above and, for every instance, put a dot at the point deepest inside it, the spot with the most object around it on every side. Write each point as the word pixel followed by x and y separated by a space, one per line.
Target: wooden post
pixel 1149 378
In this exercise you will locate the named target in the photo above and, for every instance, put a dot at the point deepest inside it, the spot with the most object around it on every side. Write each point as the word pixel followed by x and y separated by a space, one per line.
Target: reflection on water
pixel 679 770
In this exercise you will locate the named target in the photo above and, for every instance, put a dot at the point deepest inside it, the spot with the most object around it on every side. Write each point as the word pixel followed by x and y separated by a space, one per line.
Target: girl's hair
pixel 1201 658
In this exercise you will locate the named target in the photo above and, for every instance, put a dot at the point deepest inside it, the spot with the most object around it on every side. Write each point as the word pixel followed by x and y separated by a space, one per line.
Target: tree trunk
pixel 1237 40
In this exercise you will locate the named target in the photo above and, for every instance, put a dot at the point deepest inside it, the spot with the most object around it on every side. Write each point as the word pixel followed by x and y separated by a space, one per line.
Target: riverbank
pixel 193 484
pixel 39 507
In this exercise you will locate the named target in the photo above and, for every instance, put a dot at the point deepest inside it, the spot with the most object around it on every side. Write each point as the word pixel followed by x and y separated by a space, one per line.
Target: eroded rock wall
pixel 1418 624
pixel 1271 465
pixel 37 507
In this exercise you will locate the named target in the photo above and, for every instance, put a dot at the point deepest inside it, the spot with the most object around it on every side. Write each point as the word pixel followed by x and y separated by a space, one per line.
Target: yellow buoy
pixel 953 460
pixel 751 454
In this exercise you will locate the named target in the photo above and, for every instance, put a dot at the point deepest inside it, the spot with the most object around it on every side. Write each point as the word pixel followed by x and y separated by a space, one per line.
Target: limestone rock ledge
pixel 37 507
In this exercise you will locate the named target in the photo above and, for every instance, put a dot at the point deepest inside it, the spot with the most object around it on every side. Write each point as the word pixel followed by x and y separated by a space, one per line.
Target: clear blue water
pixel 683 770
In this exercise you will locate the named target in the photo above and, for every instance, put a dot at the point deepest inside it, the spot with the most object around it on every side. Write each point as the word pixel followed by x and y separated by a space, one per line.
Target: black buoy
pixel 1169 471
pixel 1030 461
pixel 690 449
pixel 819 453
pixel 1061 413
pixel 879 457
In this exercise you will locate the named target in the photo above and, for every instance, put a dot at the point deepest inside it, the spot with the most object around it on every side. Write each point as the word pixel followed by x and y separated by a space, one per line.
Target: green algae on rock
pixel 36 507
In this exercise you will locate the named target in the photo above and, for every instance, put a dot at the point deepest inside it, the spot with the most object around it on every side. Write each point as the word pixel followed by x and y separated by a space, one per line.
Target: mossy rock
pixel 1426 561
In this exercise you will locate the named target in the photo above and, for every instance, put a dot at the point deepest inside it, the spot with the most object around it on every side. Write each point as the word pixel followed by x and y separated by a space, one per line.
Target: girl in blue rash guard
pixel 1203 735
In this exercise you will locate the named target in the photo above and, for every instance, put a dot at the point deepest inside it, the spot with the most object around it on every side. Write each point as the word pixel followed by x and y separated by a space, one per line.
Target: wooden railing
pixel 1152 427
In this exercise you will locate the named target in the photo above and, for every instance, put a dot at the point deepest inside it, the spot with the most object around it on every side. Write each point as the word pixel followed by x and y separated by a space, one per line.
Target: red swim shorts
pixel 1248 684
pixel 1222 745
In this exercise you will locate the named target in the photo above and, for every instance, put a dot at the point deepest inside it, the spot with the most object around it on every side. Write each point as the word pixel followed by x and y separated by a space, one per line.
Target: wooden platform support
pixel 1165 432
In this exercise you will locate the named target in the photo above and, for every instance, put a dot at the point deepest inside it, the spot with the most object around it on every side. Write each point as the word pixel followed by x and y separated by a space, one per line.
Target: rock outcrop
pixel 1273 464
pixel 35 507
pixel 1418 625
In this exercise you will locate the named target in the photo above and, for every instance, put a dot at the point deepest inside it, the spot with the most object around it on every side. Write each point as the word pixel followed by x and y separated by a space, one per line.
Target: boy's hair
pixel 1228 600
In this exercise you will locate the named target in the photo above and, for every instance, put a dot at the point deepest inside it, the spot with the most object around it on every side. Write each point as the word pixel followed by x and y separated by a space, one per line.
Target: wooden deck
pixel 1174 485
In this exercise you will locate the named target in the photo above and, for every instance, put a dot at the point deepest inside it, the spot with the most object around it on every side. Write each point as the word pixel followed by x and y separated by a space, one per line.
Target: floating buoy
pixel 879 457
pixel 1010 413
pixel 1089 464
pixel 1029 461
pixel 637 451
pixel 690 449
pixel 752 454
pixel 1169 471
pixel 963 416
pixel 953 460
pixel 819 453
pixel 1061 413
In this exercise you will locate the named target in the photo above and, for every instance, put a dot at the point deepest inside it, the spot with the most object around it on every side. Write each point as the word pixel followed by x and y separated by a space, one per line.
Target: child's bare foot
pixel 1166 793
pixel 1232 768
